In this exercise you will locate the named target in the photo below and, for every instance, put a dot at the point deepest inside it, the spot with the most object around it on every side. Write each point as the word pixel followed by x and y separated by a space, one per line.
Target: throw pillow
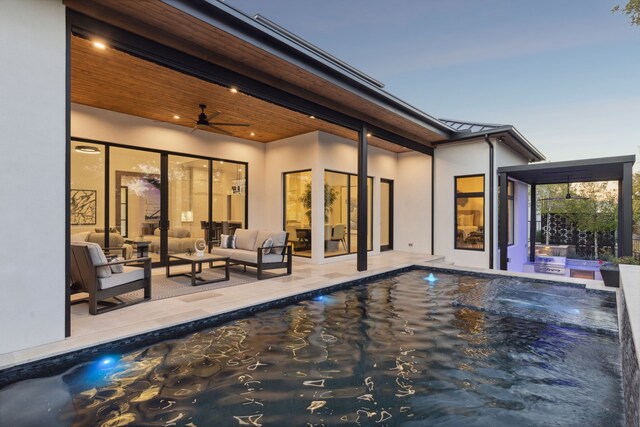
pixel 228 242
pixel 116 268
pixel 267 244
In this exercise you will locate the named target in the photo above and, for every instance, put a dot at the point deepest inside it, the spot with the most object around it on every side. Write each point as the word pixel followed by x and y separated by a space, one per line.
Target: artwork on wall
pixel 83 207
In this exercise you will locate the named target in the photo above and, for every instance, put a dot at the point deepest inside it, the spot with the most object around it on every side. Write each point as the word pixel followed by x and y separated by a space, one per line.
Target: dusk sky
pixel 564 73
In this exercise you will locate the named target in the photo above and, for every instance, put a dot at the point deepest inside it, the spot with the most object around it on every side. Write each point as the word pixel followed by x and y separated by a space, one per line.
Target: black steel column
pixel 362 199
pixel 533 225
pixel 164 208
pixel 503 221
pixel 625 212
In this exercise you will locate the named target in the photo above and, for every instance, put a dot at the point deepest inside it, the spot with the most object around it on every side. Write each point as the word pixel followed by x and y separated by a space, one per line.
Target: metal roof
pixel 586 170
pixel 465 130
pixel 460 126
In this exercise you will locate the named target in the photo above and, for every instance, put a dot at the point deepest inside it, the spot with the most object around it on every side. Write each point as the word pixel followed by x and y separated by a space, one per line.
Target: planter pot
pixel 611 276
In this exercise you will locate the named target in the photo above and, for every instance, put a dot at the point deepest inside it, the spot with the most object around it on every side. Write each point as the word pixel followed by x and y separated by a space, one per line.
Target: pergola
pixel 588 170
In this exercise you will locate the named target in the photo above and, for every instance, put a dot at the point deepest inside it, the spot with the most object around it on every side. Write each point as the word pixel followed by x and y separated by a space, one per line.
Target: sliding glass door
pixel 386 214
pixel 141 202
pixel 188 214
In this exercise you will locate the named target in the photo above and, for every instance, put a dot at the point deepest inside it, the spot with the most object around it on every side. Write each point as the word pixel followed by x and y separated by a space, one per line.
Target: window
pixel 341 213
pixel 469 212
pixel 510 211
pixel 297 211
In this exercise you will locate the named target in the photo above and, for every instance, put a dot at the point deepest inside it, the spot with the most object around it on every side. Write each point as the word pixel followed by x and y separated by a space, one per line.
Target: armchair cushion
pixel 98 257
pixel 116 268
pixel 129 274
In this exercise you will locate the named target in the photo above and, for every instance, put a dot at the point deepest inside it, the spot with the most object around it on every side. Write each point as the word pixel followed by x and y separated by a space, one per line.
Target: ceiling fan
pixel 204 121
pixel 567 196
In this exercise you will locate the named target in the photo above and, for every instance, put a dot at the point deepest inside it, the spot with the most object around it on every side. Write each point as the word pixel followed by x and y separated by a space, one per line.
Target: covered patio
pixel 588 170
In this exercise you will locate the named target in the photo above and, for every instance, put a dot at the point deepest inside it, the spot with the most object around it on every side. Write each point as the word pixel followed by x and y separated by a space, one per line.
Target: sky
pixel 565 73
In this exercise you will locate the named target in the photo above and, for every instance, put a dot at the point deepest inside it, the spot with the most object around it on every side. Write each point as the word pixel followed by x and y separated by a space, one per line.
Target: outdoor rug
pixel 168 287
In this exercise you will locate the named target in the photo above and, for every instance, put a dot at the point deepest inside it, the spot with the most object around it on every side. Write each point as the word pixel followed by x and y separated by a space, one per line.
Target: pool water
pixel 400 351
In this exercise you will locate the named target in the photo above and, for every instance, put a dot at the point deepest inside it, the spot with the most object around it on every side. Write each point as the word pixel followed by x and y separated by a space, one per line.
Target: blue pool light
pixel 326 299
pixel 431 278
pixel 107 362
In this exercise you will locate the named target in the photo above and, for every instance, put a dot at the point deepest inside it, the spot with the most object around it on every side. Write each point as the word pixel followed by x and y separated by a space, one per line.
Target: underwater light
pixel 431 278
pixel 107 361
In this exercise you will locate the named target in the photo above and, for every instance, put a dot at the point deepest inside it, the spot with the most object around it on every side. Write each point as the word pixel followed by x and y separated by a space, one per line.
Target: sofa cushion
pixel 278 238
pixel 227 242
pixel 218 251
pixel 268 242
pixel 129 274
pixel 246 239
pixel 179 232
pixel 98 257
pixel 80 237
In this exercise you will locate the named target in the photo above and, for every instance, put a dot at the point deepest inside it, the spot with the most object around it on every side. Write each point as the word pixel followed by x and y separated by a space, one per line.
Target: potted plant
pixel 330 196
pixel 610 269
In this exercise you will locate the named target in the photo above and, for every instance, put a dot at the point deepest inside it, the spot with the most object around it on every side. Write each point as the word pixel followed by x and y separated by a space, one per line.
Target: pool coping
pixel 58 363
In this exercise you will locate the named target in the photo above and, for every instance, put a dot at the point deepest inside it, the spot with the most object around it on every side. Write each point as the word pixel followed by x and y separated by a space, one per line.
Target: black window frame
pixel 511 207
pixel 459 195
pixel 371 180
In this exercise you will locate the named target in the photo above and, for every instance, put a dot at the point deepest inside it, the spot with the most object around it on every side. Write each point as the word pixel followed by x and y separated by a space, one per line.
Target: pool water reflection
pixel 393 352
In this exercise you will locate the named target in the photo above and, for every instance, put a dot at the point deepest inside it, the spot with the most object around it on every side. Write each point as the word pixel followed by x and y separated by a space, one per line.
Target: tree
pixel 631 9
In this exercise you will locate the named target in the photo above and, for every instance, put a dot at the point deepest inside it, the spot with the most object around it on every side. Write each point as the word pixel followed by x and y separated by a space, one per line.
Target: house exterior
pixel 100 104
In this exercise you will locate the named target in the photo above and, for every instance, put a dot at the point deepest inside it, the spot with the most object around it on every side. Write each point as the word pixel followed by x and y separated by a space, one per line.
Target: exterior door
pixel 386 215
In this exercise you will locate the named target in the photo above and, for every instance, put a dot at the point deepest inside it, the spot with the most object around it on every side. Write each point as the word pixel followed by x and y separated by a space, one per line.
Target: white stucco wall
pixel 32 169
pixel 410 172
pixel 412 220
pixel 470 158
pixel 451 160
pixel 518 252
pixel 108 126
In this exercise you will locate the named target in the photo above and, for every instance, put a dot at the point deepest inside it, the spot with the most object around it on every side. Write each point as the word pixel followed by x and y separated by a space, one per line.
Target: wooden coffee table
pixel 196 267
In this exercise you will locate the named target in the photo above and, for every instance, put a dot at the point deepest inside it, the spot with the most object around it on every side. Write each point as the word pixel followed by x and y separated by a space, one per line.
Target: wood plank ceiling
pixel 115 81
pixel 171 27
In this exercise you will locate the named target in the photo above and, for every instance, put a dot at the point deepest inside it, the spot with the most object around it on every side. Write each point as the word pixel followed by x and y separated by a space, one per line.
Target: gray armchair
pixel 102 279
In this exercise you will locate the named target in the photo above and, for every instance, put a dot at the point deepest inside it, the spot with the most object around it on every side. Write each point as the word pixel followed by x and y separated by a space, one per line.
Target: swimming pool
pixel 458 350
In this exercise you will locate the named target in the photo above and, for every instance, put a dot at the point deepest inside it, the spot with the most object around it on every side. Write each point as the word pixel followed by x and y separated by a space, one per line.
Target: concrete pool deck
pixel 88 331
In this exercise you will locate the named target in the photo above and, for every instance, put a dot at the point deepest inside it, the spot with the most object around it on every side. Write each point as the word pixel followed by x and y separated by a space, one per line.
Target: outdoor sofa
pixel 250 250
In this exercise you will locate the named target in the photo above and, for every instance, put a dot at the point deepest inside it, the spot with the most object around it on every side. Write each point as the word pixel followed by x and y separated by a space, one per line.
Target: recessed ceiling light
pixel 368 134
pixel 175 116
pixel 87 149
pixel 221 162
pixel 233 90
pixel 312 117
pixel 253 134
pixel 99 45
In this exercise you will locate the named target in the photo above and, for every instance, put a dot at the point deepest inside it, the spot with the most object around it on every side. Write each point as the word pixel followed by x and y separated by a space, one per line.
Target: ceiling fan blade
pixel 229 124
pixel 194 129
pixel 217 129
pixel 213 115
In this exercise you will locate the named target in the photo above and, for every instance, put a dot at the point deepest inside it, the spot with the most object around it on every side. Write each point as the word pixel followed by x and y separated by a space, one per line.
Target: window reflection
pixel 297 211
pixel 469 212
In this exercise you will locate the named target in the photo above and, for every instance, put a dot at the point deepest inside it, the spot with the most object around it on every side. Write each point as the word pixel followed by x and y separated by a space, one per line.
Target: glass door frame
pixel 389 182
pixel 164 188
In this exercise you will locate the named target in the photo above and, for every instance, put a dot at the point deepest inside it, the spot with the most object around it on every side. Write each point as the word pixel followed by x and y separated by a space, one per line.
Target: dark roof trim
pixel 236 23
pixel 533 154
pixel 584 170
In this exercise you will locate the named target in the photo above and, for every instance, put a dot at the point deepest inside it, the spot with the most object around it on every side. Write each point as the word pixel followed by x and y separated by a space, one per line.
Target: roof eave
pixel 247 29
pixel 534 154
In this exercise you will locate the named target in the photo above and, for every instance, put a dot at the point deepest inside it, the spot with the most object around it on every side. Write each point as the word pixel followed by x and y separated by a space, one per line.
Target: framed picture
pixel 83 207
